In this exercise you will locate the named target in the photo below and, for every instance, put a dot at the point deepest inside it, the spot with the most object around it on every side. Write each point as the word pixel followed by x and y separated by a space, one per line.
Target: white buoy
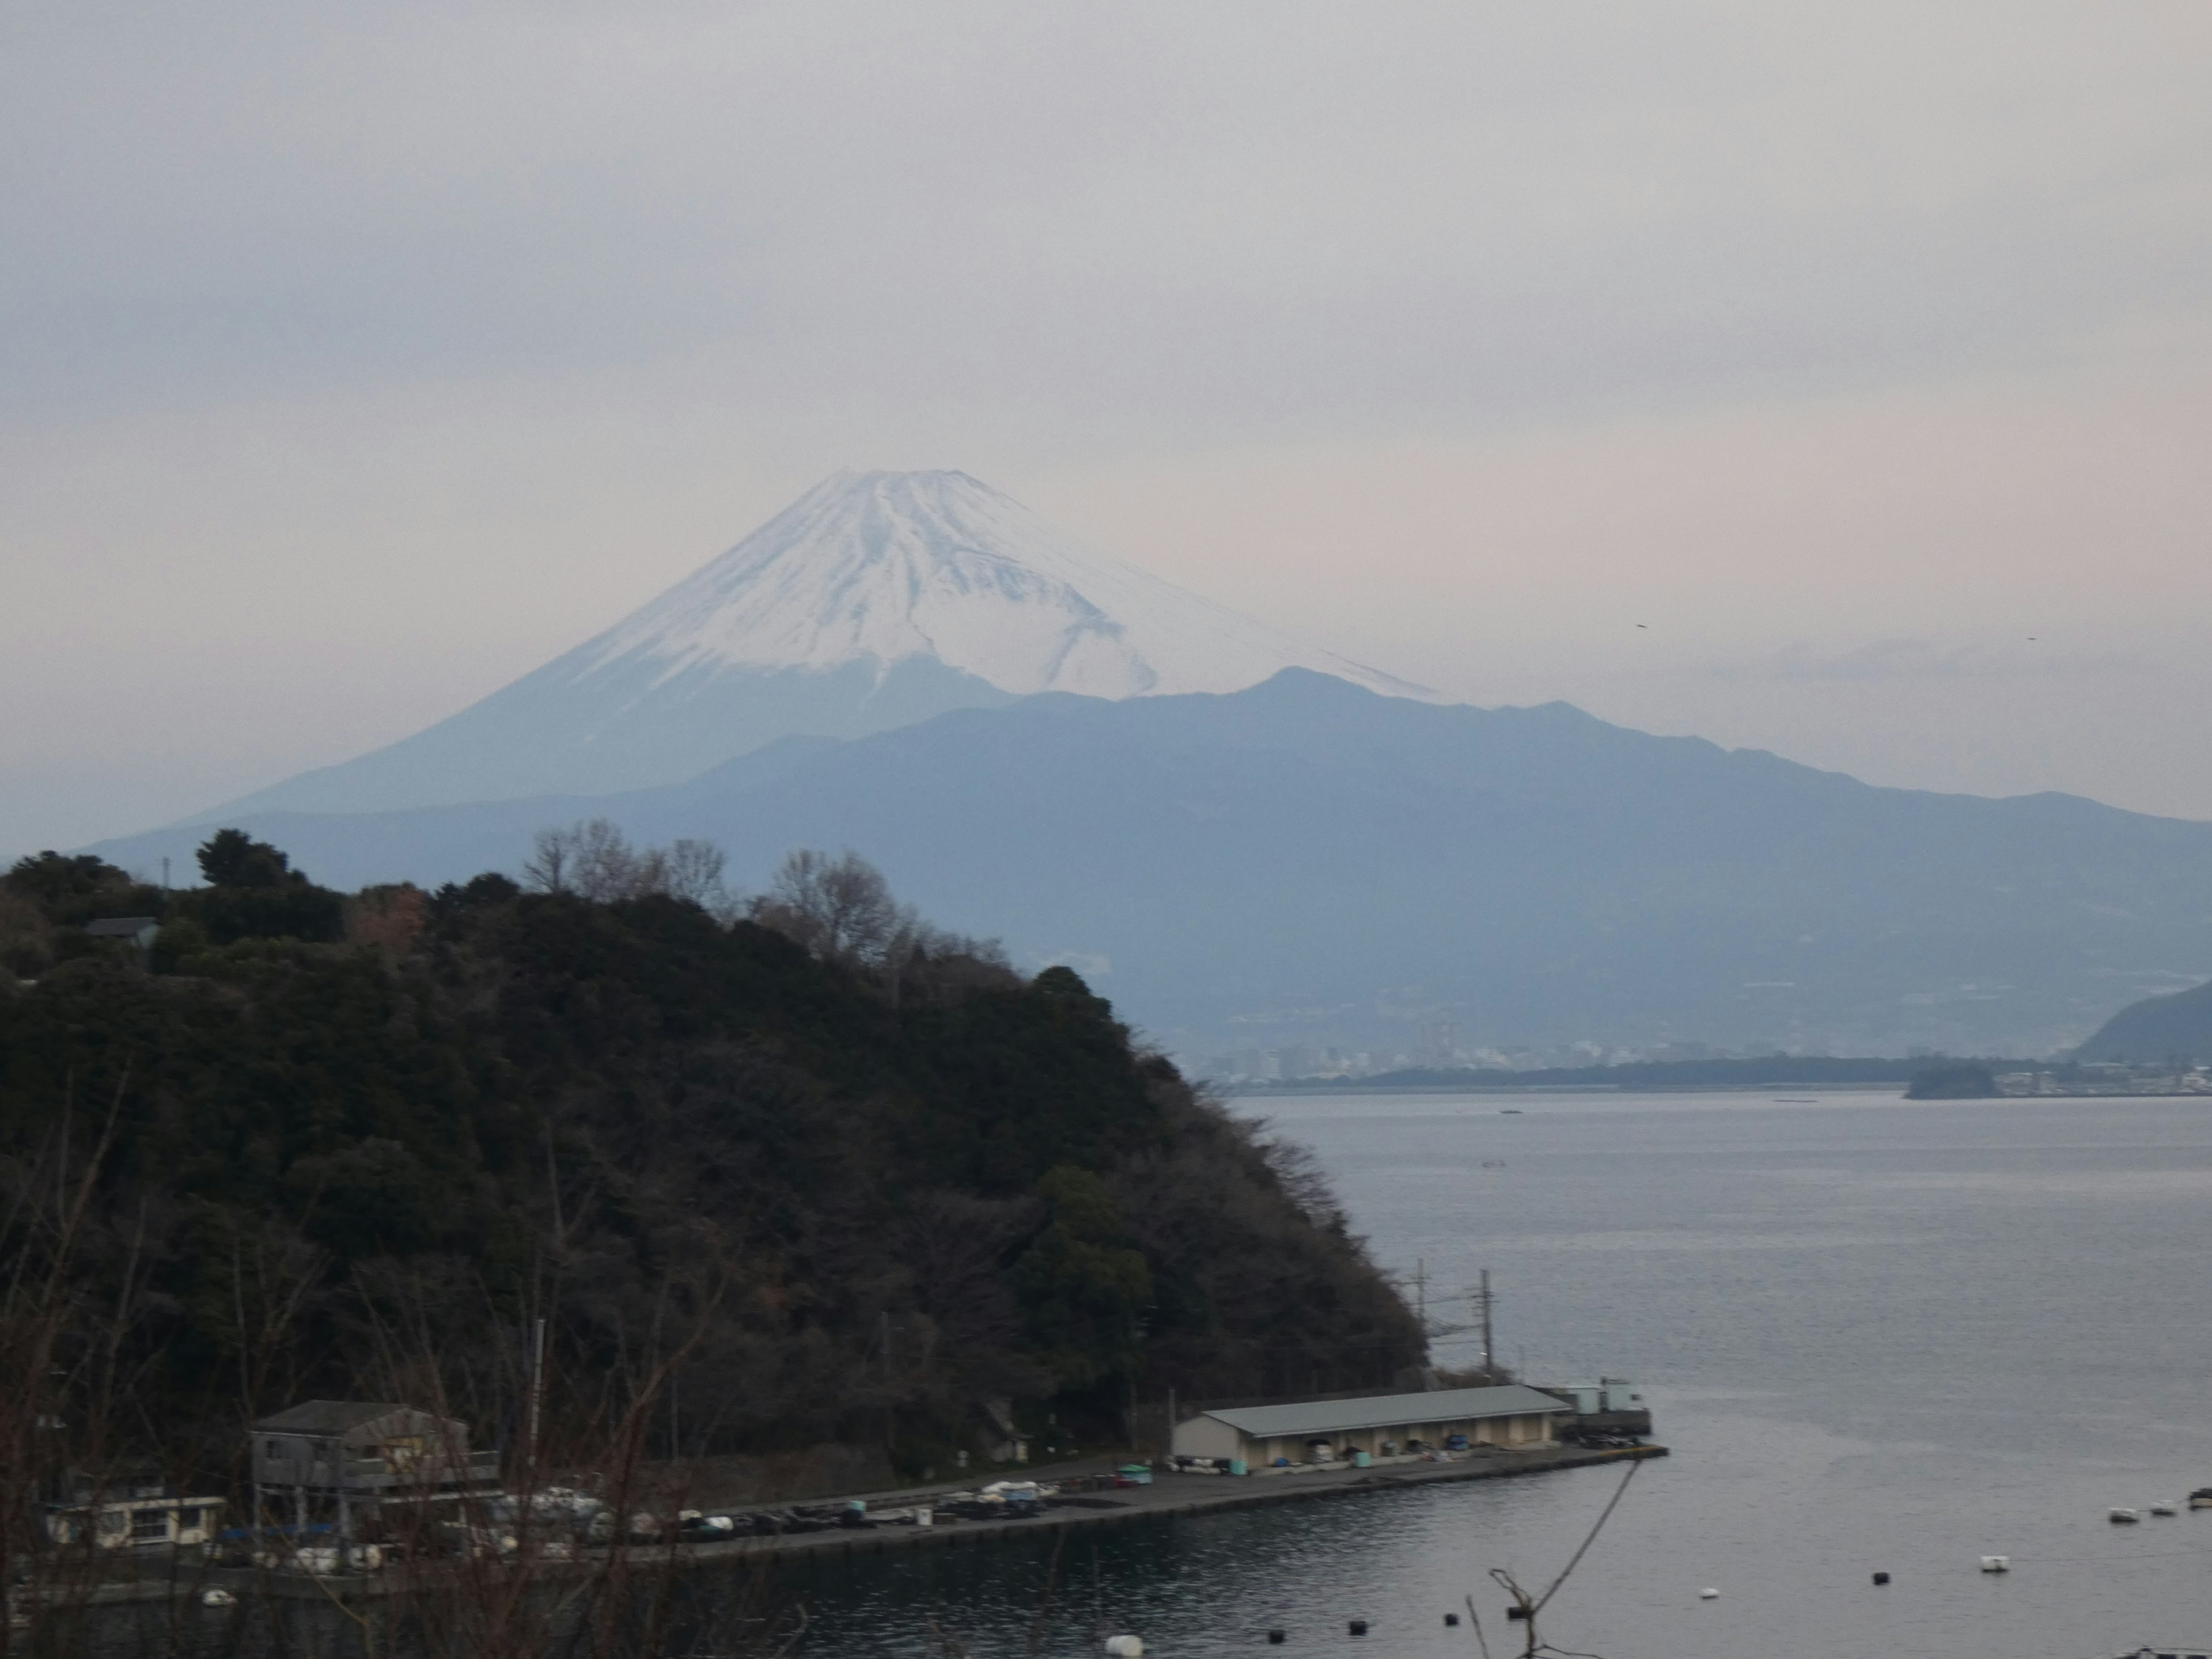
pixel 2165 1506
pixel 1996 1564
pixel 1126 1647
pixel 217 1597
pixel 1708 1595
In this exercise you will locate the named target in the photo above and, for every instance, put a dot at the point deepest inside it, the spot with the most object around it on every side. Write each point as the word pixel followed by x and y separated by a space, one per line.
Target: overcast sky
pixel 356 358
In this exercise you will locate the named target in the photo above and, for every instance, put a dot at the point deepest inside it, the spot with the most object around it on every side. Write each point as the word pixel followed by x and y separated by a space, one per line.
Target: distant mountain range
pixel 875 600
pixel 1307 861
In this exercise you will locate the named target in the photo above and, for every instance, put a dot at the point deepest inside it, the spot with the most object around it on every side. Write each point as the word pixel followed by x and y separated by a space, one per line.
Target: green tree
pixel 253 892
pixel 70 889
pixel 1084 1290
pixel 231 857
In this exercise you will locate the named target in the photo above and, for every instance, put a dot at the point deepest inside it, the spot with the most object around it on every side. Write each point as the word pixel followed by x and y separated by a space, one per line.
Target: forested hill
pixel 845 1193
pixel 2173 1028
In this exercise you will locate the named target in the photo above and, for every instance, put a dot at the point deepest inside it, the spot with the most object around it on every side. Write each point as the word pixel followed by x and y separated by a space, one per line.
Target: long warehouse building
pixel 1380 1426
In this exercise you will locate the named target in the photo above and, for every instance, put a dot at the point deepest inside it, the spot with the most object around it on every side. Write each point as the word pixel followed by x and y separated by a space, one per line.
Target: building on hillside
pixel 334 1460
pixel 136 932
pixel 1510 1418
pixel 1003 1441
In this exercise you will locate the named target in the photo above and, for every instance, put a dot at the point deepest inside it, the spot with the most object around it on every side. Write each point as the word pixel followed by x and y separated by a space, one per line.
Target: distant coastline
pixel 1775 1071
pixel 1920 1077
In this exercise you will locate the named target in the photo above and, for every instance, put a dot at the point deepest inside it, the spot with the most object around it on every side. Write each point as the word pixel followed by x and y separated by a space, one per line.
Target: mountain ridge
pixel 1307 861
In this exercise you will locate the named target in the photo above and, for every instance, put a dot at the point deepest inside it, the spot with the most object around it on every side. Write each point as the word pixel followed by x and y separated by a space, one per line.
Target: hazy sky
pixel 356 358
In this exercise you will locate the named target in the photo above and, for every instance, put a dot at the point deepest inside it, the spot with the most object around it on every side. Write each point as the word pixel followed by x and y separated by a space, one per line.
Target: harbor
pixel 937 1516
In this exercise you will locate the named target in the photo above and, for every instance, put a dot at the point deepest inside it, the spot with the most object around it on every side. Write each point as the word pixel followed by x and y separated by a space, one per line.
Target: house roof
pixel 328 1416
pixel 1384 1411
pixel 120 926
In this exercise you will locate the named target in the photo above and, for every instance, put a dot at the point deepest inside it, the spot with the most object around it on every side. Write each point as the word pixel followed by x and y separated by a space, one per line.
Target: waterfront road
pixel 1167 1496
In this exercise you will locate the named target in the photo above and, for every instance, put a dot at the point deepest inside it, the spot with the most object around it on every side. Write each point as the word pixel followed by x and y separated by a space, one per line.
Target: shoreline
pixel 1178 1496
pixel 1171 1496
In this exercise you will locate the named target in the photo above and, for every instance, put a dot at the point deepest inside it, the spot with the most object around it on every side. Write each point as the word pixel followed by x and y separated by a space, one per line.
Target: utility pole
pixel 1489 1352
pixel 1478 1297
pixel 1421 1301
pixel 536 1396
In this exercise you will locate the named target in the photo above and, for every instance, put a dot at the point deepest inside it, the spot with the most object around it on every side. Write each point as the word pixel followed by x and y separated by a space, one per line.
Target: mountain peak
pixel 874 600
pixel 882 568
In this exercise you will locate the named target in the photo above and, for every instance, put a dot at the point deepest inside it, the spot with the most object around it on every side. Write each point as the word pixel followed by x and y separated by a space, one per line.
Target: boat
pixel 2124 1516
pixel 2201 1499
pixel 2165 1506
pixel 1996 1564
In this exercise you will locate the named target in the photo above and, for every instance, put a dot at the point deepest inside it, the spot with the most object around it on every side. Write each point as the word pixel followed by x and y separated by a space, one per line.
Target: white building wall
pixel 1205 1437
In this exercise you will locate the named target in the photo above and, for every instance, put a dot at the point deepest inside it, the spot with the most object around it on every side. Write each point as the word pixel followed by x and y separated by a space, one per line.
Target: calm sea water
pixel 1877 1335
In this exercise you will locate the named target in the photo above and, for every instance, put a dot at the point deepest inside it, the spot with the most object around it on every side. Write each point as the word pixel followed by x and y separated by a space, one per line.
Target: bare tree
pixel 546 869
pixel 841 909
pixel 595 860
pixel 607 867
pixel 692 870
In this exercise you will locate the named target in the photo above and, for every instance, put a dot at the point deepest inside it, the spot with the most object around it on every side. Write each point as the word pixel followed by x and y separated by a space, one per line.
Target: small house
pixel 136 932
pixel 134 1512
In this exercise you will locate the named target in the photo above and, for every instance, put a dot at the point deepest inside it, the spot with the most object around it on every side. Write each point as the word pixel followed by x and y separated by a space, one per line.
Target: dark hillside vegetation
pixel 845 1194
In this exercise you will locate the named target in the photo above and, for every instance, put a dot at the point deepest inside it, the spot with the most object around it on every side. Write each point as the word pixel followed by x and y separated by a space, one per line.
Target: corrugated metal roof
pixel 1388 1411
pixel 327 1416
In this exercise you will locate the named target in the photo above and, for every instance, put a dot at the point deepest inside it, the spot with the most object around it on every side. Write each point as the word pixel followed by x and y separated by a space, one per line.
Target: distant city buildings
pixel 2115 1079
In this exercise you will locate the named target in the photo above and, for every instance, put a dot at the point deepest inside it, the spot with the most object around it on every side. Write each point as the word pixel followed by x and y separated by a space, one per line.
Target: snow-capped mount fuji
pixel 875 600
pixel 887 567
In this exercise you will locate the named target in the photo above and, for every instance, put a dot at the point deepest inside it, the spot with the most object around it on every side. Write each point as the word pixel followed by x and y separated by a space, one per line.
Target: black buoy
pixel 1517 1611
pixel 1275 1638
pixel 1451 1618
pixel 1881 1579
pixel 1358 1627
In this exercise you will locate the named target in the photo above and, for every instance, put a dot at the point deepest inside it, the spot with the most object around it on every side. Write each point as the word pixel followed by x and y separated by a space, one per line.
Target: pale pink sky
pixel 357 360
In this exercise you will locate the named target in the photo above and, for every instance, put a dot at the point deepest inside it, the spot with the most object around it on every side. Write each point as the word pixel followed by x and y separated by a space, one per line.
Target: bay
pixel 1878 1335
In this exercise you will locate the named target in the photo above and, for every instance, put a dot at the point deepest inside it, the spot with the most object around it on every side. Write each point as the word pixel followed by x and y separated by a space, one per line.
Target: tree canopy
pixel 825 1190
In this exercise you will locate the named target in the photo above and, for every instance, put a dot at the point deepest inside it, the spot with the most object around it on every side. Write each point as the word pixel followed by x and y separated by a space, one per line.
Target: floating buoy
pixel 1708 1595
pixel 2165 1506
pixel 1126 1647
pixel 1881 1579
pixel 2125 1516
pixel 217 1597
pixel 1451 1618
pixel 1274 1638
pixel 1357 1627
pixel 1517 1612
pixel 1996 1564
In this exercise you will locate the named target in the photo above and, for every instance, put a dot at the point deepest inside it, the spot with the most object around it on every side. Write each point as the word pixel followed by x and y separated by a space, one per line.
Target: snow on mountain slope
pixel 880 567
pixel 875 600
